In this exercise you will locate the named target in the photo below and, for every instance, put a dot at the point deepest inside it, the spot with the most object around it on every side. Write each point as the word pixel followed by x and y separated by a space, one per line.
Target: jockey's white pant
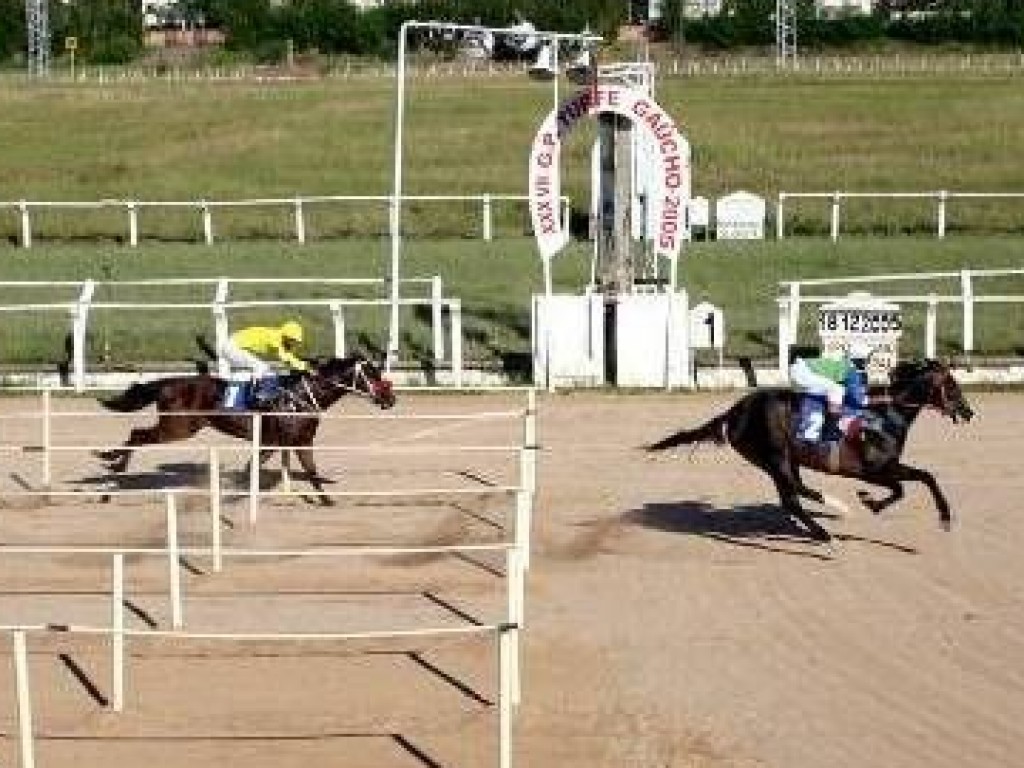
pixel 243 360
pixel 808 381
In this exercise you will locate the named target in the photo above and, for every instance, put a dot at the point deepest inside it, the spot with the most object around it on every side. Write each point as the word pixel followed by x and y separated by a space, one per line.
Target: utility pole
pixel 785 32
pixel 37 23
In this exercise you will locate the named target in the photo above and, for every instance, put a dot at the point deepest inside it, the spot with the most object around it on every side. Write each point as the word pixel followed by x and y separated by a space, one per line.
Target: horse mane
pixel 911 369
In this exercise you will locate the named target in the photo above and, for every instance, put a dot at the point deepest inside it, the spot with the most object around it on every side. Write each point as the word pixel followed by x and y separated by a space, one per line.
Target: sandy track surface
pixel 673 617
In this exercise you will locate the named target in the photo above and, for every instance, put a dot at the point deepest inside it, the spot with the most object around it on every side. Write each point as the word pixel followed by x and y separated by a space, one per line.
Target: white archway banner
pixel 673 162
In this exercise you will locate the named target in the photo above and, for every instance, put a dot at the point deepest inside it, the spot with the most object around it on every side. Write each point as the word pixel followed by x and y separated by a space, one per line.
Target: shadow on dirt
pixel 760 526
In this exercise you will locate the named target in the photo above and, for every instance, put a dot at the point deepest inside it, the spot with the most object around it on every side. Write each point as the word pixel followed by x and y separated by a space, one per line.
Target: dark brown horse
pixel 187 404
pixel 760 428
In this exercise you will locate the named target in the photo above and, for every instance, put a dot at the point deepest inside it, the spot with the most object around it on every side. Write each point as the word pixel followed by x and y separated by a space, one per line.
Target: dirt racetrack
pixel 673 618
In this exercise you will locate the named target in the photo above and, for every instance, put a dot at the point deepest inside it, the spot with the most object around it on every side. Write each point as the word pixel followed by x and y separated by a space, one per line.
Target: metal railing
pixel 941 198
pixel 80 309
pixel 298 206
pixel 795 296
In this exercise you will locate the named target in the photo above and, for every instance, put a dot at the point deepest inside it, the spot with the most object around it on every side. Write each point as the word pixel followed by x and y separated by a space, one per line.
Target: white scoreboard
pixel 864 318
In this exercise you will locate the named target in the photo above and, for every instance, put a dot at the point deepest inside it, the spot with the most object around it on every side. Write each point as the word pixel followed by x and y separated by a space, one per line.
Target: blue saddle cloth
pixel 246 395
pixel 810 412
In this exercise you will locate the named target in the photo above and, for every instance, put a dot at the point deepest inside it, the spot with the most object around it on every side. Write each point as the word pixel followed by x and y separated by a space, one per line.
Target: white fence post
pixel 566 214
pixel 784 335
pixel 940 222
pixel 79 327
pixel 338 319
pixel 133 223
pixel 967 294
pixel 487 228
pixel 173 569
pixel 47 439
pixel 794 312
pixel 254 468
pixel 455 315
pixel 117 633
pixel 836 196
pixel 780 215
pixel 26 225
pixel 220 323
pixel 505 653
pixel 930 326
pixel 516 581
pixel 215 489
pixel 300 222
pixel 26 734
pixel 437 316
pixel 207 222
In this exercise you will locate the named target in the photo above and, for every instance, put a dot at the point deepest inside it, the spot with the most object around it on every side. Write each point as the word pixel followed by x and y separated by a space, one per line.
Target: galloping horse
pixel 760 427
pixel 187 404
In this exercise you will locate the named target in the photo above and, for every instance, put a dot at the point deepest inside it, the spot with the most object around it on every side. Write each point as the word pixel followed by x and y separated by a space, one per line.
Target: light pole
pixel 396 188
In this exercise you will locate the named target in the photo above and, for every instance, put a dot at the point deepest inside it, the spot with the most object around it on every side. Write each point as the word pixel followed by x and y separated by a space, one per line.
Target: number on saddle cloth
pixel 240 395
pixel 809 419
pixel 236 395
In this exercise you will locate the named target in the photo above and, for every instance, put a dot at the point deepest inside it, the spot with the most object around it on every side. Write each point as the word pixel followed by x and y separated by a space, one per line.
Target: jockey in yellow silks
pixel 248 349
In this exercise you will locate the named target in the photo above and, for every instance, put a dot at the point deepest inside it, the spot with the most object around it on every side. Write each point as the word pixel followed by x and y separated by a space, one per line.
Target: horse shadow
pixel 167 476
pixel 757 526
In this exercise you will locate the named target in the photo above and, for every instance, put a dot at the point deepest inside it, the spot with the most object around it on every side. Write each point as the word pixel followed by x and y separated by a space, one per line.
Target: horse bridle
pixel 943 405
pixel 358 374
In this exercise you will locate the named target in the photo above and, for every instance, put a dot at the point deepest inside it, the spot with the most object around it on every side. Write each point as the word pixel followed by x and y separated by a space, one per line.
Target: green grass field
pixel 229 140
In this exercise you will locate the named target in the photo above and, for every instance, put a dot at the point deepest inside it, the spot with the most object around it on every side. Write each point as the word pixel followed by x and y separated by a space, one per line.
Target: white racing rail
pixel 795 295
pixel 81 307
pixel 299 206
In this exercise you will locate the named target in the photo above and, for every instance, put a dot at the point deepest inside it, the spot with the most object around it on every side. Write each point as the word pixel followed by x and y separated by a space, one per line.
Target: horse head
pixel 929 384
pixel 357 373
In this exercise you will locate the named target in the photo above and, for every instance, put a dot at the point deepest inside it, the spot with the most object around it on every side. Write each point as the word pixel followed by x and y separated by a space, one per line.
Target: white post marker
pixel 47 439
pixel 26 734
pixel 836 197
pixel 930 326
pixel 487 225
pixel 300 222
pixel 215 535
pixel 254 468
pixel 173 570
pixel 505 653
pixel 437 316
pixel 117 633
pixel 207 222
pixel 967 294
pixel 133 223
pixel 940 224
pixel 26 225
pixel 515 577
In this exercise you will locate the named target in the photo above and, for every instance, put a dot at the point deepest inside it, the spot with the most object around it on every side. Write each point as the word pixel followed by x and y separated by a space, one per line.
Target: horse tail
pixel 136 397
pixel 713 431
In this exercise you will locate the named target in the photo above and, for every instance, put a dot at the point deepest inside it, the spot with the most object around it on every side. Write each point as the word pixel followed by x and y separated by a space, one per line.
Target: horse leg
pixel 789 497
pixel 119 458
pixel 905 472
pixel 877 505
pixel 803 490
pixel 305 456
pixel 166 429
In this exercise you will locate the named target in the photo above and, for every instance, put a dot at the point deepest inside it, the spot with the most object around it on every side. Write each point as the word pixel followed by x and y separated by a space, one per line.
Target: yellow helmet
pixel 292 330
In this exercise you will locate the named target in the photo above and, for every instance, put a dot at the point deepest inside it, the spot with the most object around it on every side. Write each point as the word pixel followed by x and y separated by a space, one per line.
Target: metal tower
pixel 37 22
pixel 785 32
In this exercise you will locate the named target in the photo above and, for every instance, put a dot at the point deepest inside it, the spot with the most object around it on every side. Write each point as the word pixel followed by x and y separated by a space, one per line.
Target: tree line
pixel 111 31
pixel 744 23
